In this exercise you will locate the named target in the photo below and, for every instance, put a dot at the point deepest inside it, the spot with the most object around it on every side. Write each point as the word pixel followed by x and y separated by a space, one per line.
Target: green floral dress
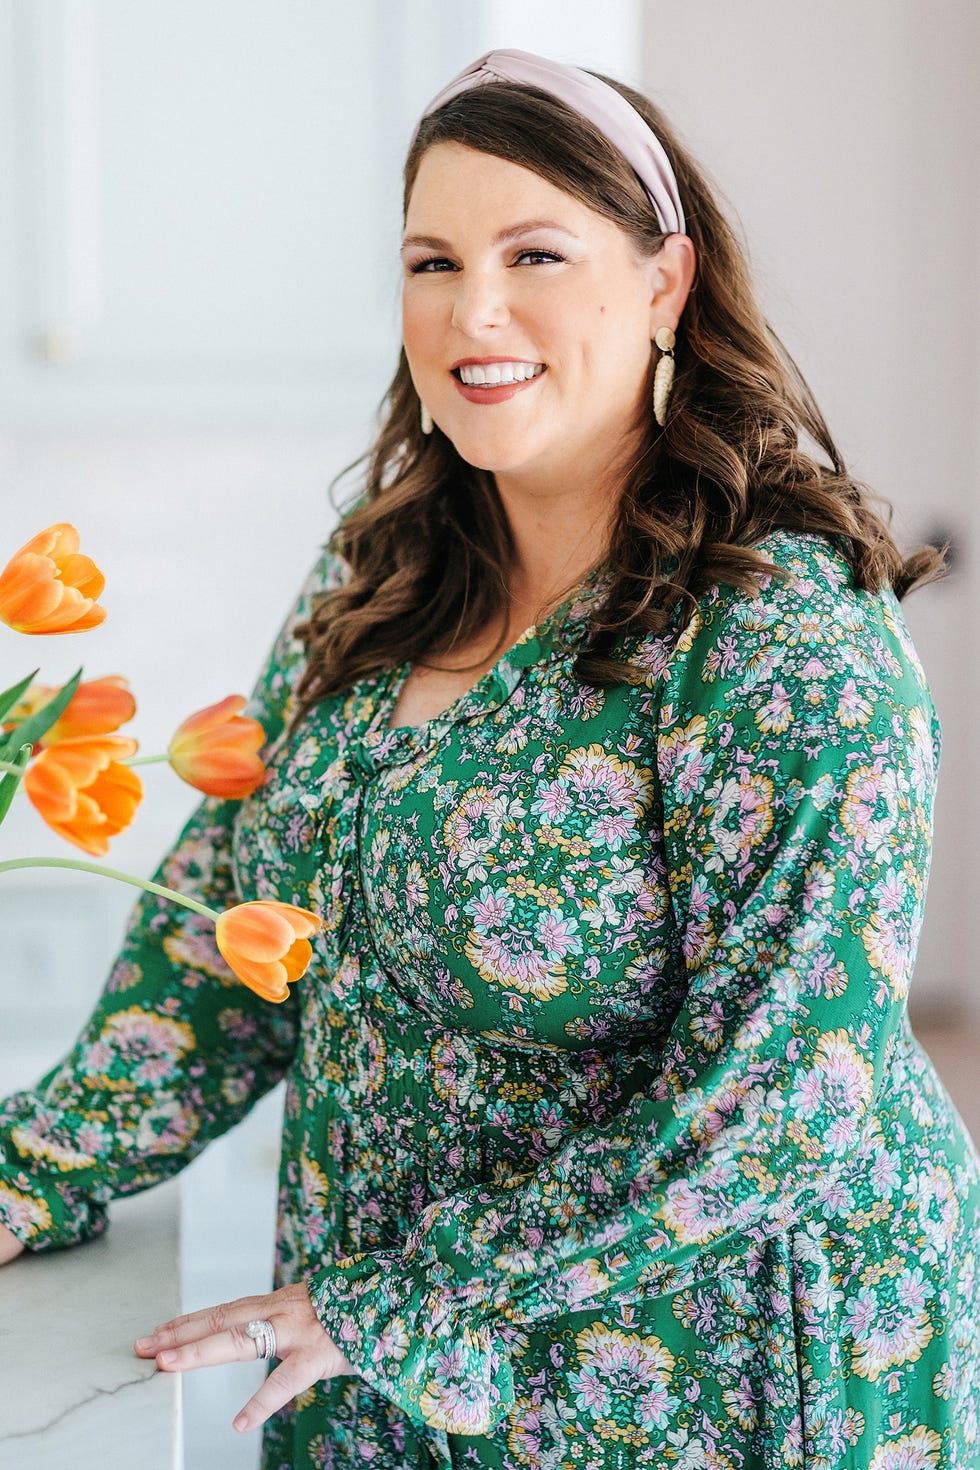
pixel 606 1142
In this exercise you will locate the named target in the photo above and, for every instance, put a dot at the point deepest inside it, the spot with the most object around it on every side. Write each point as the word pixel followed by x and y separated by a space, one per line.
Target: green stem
pixel 8 767
pixel 83 867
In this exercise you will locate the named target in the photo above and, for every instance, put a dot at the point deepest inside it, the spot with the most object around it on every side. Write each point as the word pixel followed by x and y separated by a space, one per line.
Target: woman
pixel 598 739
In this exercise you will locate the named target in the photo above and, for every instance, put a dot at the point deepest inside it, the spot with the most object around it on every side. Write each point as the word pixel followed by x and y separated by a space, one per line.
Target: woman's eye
pixel 545 255
pixel 431 263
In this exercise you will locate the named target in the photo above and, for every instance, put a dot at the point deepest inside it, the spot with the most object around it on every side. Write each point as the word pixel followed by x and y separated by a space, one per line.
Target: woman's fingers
pixel 297 1374
pixel 233 1346
pixel 194 1326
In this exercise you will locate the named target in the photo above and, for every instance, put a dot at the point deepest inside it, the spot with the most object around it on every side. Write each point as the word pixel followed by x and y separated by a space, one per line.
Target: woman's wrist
pixel 10 1246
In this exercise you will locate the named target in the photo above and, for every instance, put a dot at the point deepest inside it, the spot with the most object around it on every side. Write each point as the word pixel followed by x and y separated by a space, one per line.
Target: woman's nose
pixel 479 301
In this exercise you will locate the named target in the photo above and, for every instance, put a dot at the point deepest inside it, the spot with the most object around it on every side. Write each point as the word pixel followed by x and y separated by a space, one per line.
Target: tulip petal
pixel 92 752
pixel 82 790
pixel 213 715
pixel 239 738
pixel 303 922
pixel 226 788
pixel 60 539
pixel 228 778
pixel 51 791
pixel 29 589
pixel 117 747
pixel 71 608
pixel 95 846
pixel 87 828
pixel 88 815
pixel 81 573
pixel 92 619
pixel 256 934
pixel 269 980
pixel 80 767
pixel 297 961
pixel 118 793
pixel 98 707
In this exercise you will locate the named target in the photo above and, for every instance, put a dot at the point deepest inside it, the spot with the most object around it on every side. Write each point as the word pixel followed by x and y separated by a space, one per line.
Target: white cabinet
pixel 201 205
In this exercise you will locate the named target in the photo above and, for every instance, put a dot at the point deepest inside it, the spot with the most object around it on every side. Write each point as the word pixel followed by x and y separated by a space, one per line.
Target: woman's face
pixel 503 268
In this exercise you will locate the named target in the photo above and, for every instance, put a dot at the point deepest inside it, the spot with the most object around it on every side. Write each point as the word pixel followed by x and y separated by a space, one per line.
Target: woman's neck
pixel 552 555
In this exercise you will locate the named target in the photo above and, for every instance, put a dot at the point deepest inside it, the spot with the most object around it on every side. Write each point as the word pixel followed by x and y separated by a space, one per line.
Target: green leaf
pixel 37 725
pixel 9 783
pixel 11 697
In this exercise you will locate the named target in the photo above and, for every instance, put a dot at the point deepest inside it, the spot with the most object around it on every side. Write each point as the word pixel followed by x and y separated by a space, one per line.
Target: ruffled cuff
pixel 48 1218
pixel 414 1342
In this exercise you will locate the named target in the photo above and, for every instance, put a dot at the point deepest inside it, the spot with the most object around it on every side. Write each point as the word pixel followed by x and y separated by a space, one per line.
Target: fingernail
pixel 144 1343
pixel 240 1423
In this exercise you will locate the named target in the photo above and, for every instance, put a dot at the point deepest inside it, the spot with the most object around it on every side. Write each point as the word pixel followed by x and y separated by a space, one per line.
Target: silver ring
pixel 264 1335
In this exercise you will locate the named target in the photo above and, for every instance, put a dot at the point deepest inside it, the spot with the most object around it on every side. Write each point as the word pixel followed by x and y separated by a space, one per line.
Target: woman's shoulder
pixel 815 566
pixel 788 545
pixel 808 626
pixel 812 585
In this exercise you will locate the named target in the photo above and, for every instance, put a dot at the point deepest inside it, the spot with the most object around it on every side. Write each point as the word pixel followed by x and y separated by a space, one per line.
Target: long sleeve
pixel 796 756
pixel 177 1050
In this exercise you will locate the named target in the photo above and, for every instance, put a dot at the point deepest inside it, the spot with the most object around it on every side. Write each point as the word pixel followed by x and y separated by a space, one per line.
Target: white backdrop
pixel 846 137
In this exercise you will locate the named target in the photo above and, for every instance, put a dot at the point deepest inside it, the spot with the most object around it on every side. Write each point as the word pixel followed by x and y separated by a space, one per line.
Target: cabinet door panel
pixel 206 203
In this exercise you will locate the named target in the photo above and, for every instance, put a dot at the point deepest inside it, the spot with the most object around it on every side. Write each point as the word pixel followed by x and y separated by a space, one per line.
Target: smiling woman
pixel 598 746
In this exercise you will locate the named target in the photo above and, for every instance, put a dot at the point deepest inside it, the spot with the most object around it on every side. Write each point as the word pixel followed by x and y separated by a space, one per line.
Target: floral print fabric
pixel 607 1141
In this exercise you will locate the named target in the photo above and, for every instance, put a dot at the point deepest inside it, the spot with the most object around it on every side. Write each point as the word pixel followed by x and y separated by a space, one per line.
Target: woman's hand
pixel 217 1335
pixel 10 1246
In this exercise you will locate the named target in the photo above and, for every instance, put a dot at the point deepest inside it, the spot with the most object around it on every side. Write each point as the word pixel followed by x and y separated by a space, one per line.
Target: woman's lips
pixel 496 392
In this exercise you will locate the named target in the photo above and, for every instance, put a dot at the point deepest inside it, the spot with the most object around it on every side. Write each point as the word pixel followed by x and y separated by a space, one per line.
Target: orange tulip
pixel 98 707
pixel 267 944
pixel 83 791
pixel 47 587
pixel 215 750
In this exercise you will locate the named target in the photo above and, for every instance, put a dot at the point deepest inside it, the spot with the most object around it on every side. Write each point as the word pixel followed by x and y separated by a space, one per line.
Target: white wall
pixel 845 138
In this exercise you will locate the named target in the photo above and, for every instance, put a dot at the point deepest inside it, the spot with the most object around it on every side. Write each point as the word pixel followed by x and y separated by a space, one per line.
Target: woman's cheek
pixel 420 337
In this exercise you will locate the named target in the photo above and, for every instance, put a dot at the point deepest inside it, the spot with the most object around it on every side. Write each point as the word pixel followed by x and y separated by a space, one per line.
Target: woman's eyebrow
pixel 433 242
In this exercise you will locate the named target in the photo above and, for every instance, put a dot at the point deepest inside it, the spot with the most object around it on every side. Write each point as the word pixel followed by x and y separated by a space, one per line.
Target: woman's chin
pixel 497 454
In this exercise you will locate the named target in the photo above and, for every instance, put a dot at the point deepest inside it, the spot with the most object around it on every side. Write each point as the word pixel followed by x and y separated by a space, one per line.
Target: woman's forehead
pixel 458 182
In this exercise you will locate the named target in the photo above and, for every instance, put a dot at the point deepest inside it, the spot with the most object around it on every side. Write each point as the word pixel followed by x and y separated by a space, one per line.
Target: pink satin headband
pixel 604 107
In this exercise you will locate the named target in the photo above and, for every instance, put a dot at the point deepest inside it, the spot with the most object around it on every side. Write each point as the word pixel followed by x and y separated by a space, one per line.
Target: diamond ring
pixel 264 1335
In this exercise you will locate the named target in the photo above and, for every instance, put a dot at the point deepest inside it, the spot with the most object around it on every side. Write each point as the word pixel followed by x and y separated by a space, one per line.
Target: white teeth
pixel 499 372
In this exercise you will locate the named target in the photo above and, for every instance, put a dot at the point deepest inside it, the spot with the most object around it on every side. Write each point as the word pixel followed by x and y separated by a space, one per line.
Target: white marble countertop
pixel 72 1391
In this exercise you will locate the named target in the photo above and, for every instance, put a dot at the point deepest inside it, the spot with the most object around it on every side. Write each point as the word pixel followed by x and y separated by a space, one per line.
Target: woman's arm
pixel 177 1050
pixel 797 755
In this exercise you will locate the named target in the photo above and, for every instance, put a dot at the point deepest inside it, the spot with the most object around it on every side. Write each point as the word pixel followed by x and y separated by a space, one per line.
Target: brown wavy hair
pixel 428 541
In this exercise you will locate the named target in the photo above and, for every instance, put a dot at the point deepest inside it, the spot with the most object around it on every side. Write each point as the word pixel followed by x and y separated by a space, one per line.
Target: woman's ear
pixel 671 277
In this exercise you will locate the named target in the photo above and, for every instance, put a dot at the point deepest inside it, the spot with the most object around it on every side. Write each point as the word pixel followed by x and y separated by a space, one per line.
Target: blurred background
pixel 199 223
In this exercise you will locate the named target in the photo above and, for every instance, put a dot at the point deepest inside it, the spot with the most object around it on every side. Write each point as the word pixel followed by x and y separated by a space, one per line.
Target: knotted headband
pixel 607 109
